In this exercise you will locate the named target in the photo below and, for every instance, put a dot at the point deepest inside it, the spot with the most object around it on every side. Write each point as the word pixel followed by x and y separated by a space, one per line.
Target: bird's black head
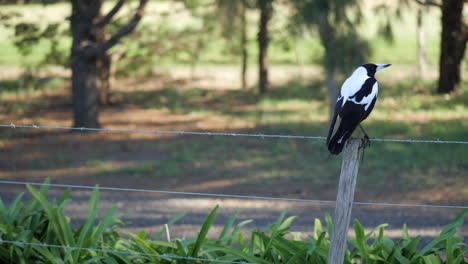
pixel 373 68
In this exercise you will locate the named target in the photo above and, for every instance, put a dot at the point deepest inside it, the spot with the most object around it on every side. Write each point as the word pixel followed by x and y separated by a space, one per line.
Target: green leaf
pixel 400 258
pixel 22 235
pixel 105 222
pixel 14 208
pixel 94 260
pixel 280 218
pixel 236 252
pixel 110 261
pixel 432 259
pixel 227 226
pixel 449 250
pixel 3 212
pixel 236 230
pixel 405 234
pixel 286 224
pixel 456 223
pixel 58 222
pixel 433 243
pixel 182 251
pixel 317 228
pixel 85 230
pixel 330 226
pixel 361 240
pixel 411 247
pixel 204 231
pixel 170 223
pixel 379 227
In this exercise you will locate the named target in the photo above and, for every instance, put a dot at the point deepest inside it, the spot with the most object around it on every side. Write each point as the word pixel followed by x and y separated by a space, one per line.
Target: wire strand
pixel 123 252
pixel 225 134
pixel 225 195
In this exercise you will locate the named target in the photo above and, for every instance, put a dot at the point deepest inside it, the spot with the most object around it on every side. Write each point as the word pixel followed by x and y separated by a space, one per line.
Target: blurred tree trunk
pixel 266 11
pixel 326 33
pixel 453 45
pixel 422 64
pixel 104 62
pixel 244 43
pixel 299 58
pixel 89 60
pixel 344 48
pixel 331 89
pixel 84 69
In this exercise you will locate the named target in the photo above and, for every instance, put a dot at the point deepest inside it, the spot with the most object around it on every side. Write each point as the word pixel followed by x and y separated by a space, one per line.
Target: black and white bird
pixel 355 103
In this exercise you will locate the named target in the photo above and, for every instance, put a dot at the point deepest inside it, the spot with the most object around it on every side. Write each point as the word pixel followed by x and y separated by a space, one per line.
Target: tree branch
pixel 428 3
pixel 105 20
pixel 93 9
pixel 76 8
pixel 125 30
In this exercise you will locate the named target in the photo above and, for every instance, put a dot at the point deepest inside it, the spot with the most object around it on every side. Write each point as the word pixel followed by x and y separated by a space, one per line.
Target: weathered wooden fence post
pixel 344 200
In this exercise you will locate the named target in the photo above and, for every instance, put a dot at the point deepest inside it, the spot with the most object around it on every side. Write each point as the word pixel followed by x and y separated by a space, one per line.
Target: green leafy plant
pixel 39 221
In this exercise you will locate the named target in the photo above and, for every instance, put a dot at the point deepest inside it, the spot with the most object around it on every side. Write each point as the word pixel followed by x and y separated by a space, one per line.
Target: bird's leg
pixel 366 139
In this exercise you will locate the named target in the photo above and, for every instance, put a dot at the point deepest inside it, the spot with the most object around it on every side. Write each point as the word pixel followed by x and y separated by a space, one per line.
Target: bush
pixel 39 221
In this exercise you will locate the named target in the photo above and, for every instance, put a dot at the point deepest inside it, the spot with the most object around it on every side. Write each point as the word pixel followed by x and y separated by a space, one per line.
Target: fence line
pixel 225 195
pixel 225 134
pixel 336 243
pixel 123 252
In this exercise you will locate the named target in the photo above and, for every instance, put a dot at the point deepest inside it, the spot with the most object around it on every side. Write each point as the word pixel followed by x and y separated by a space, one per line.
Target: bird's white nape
pixel 381 66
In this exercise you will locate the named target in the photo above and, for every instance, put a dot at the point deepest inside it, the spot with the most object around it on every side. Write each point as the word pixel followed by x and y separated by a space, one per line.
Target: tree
pixel 266 12
pixel 244 43
pixel 344 49
pixel 453 45
pixel 454 38
pixel 89 58
pixel 234 22
pixel 201 36
pixel 422 64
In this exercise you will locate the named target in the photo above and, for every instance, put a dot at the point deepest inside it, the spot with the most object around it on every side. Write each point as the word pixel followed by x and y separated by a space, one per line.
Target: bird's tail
pixel 343 133
pixel 338 141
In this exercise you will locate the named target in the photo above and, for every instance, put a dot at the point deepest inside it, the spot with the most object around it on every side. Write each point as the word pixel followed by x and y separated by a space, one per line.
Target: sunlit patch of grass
pixel 177 165
pixel 29 86
pixel 115 168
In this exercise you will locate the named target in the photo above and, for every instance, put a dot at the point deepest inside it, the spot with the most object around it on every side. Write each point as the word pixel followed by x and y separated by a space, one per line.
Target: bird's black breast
pixel 365 90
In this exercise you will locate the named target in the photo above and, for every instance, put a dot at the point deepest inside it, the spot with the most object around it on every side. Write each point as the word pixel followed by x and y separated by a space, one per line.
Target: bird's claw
pixel 365 142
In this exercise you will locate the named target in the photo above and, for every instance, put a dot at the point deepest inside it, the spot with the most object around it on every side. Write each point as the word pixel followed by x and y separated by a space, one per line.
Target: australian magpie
pixel 355 103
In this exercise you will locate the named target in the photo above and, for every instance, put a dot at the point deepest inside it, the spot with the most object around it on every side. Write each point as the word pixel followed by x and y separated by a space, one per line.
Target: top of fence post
pixel 344 200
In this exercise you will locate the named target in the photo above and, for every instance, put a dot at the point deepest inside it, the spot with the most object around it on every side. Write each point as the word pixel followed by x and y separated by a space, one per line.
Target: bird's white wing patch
pixel 367 100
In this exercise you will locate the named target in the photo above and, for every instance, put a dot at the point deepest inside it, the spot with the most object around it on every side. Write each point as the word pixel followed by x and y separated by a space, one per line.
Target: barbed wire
pixel 123 252
pixel 224 134
pixel 225 195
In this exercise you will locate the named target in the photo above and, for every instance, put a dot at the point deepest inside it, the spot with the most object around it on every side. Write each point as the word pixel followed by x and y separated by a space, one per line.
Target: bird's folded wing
pixel 336 112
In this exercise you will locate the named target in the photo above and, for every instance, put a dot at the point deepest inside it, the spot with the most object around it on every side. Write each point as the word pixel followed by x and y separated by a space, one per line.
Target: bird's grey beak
pixel 381 66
